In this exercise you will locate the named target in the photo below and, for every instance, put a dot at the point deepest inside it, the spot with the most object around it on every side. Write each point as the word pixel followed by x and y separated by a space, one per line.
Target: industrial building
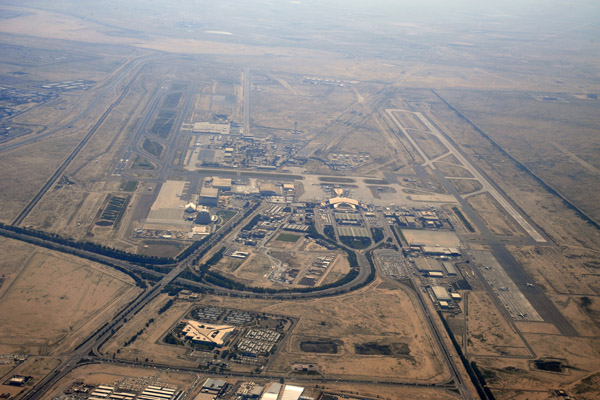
pixel 267 189
pixel 440 251
pixel 213 385
pixel 209 197
pixel 426 265
pixel 291 392
pixel 272 393
pixel 221 183
pixel 209 127
pixel 441 294
pixel 450 268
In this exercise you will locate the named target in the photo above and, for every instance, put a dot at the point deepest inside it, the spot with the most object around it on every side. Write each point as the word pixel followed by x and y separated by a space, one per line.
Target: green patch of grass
pixel 286 237
pixel 336 179
pixel 129 186
pixel 376 182
pixel 356 242
pixel 153 147
pixel 172 100
pixel 142 163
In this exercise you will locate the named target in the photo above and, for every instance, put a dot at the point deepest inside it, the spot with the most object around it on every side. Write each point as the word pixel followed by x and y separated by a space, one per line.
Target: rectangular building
pixel 426 265
pixel 441 294
pixel 209 197
pixel 450 268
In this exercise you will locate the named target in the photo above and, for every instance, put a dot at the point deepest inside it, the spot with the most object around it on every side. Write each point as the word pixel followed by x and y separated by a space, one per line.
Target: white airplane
pixel 530 284
pixel 522 315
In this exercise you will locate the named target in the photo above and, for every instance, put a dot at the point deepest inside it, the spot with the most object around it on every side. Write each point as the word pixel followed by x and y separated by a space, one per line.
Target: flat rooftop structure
pixel 431 238
pixel 346 216
pixel 213 385
pixel 209 127
pixel 266 187
pixel 441 251
pixel 428 265
pixel 291 392
pixel 272 392
pixel 221 183
pixel 450 268
pixel 201 332
pixel 209 193
pixel 441 294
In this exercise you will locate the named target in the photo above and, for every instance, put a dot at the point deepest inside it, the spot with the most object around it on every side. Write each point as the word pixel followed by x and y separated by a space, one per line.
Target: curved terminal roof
pixel 337 201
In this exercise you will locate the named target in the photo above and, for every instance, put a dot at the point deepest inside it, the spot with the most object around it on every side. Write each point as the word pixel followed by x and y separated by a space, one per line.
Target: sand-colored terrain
pixel 52 301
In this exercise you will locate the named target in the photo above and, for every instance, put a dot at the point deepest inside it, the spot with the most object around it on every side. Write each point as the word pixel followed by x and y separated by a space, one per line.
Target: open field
pixel 373 322
pixel 488 333
pixel 532 128
pixel 54 300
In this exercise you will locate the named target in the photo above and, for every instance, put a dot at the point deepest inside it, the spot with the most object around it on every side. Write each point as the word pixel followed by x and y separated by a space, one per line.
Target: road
pixel 111 84
pixel 536 297
pixel 29 207
pixel 91 344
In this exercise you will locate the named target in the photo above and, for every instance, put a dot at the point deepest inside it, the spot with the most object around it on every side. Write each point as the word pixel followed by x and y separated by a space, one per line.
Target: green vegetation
pixel 129 186
pixel 166 306
pixel 356 242
pixel 142 163
pixel 372 348
pixel 163 123
pixel 226 215
pixel 377 234
pixel 252 223
pixel 286 237
pixel 329 231
pixel 376 182
pixel 172 100
pixel 153 147
pixel 549 365
pixel 585 303
pixel 336 179
pixel 327 347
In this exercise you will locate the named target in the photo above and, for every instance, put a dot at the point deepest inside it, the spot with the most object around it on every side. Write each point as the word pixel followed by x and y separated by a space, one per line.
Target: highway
pixel 91 345
pixel 25 212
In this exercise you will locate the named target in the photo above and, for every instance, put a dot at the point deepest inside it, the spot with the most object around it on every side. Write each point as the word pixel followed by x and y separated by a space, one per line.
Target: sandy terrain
pixel 53 300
